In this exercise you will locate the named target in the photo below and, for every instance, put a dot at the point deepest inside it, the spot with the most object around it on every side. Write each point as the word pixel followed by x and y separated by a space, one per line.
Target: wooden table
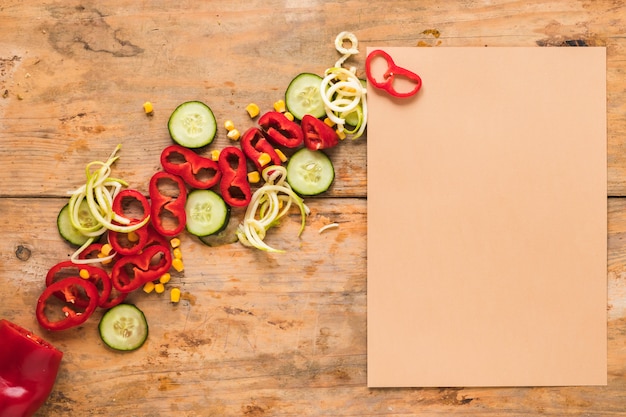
pixel 255 334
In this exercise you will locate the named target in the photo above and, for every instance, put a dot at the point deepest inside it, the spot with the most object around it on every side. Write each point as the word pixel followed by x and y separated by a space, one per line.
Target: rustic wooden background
pixel 255 334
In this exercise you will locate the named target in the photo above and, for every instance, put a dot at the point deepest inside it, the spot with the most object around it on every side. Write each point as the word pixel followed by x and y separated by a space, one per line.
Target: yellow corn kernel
pixel 341 134
pixel 147 107
pixel 177 264
pixel 233 134
pixel 165 278
pixel 229 125
pixel 178 254
pixel 175 242
pixel 83 273
pixel 106 249
pixel 264 159
pixel 148 287
pixel 175 295
pixel 215 154
pixel 253 110
pixel 132 236
pixel 329 122
pixel 159 288
pixel 254 177
pixel 281 155
pixel 279 106
pixel 289 116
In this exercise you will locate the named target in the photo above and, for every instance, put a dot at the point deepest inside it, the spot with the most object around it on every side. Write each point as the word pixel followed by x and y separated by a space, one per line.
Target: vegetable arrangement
pixel 128 242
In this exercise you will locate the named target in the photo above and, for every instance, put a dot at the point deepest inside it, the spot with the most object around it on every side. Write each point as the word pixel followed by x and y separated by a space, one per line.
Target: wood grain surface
pixel 256 334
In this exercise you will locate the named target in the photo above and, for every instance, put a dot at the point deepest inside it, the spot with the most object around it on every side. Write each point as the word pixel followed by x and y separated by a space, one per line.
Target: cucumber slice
pixel 67 229
pixel 310 172
pixel 123 327
pixel 303 96
pixel 192 125
pixel 207 212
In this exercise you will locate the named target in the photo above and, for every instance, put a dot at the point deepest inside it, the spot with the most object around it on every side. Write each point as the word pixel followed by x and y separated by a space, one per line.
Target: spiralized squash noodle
pixel 268 205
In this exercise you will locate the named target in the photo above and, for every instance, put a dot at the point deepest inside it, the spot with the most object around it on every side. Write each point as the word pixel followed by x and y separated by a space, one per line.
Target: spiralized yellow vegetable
pixel 99 191
pixel 268 205
pixel 343 94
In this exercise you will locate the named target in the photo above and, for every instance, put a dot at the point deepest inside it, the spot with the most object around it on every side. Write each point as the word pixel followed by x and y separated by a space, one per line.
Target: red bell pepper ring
pixel 168 215
pixel 234 186
pixel 317 134
pixel 280 130
pixel 196 170
pixel 121 203
pixel 390 74
pixel 97 276
pixel 71 316
pixel 253 144
pixel 131 272
pixel 28 370
pixel 123 245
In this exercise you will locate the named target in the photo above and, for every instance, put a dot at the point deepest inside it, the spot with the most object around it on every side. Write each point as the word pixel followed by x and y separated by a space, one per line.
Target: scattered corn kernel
pixel 341 134
pixel 233 134
pixel 289 116
pixel 215 154
pixel 104 261
pixel 178 264
pixel 253 110
pixel 175 295
pixel 165 278
pixel 229 125
pixel 264 159
pixel 106 249
pixel 148 107
pixel 329 122
pixel 83 273
pixel 159 288
pixel 281 155
pixel 254 177
pixel 148 287
pixel 178 254
pixel 132 236
pixel 175 242
pixel 279 106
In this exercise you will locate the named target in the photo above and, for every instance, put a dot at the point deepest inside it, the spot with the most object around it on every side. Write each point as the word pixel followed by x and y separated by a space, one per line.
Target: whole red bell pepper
pixel 97 276
pixel 71 315
pixel 168 215
pixel 280 130
pixel 196 170
pixel 317 134
pixel 234 185
pixel 28 370
pixel 131 272
pixel 253 145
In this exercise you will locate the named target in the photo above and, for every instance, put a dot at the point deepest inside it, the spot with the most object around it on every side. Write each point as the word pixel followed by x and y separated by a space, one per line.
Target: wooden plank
pixel 255 334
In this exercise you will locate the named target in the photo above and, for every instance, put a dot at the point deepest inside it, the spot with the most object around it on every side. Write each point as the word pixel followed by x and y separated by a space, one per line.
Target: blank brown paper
pixel 487 225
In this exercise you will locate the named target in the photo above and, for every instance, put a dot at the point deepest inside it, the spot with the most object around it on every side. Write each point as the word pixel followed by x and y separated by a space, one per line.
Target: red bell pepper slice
pixel 131 272
pixel 121 203
pixel 71 316
pixel 28 370
pixel 196 170
pixel 317 134
pixel 168 215
pixel 389 76
pixel 234 186
pixel 97 276
pixel 280 130
pixel 253 144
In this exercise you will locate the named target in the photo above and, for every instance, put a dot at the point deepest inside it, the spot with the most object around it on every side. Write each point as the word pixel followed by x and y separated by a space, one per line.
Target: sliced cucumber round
pixel 123 327
pixel 303 96
pixel 67 229
pixel 192 125
pixel 207 212
pixel 310 172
